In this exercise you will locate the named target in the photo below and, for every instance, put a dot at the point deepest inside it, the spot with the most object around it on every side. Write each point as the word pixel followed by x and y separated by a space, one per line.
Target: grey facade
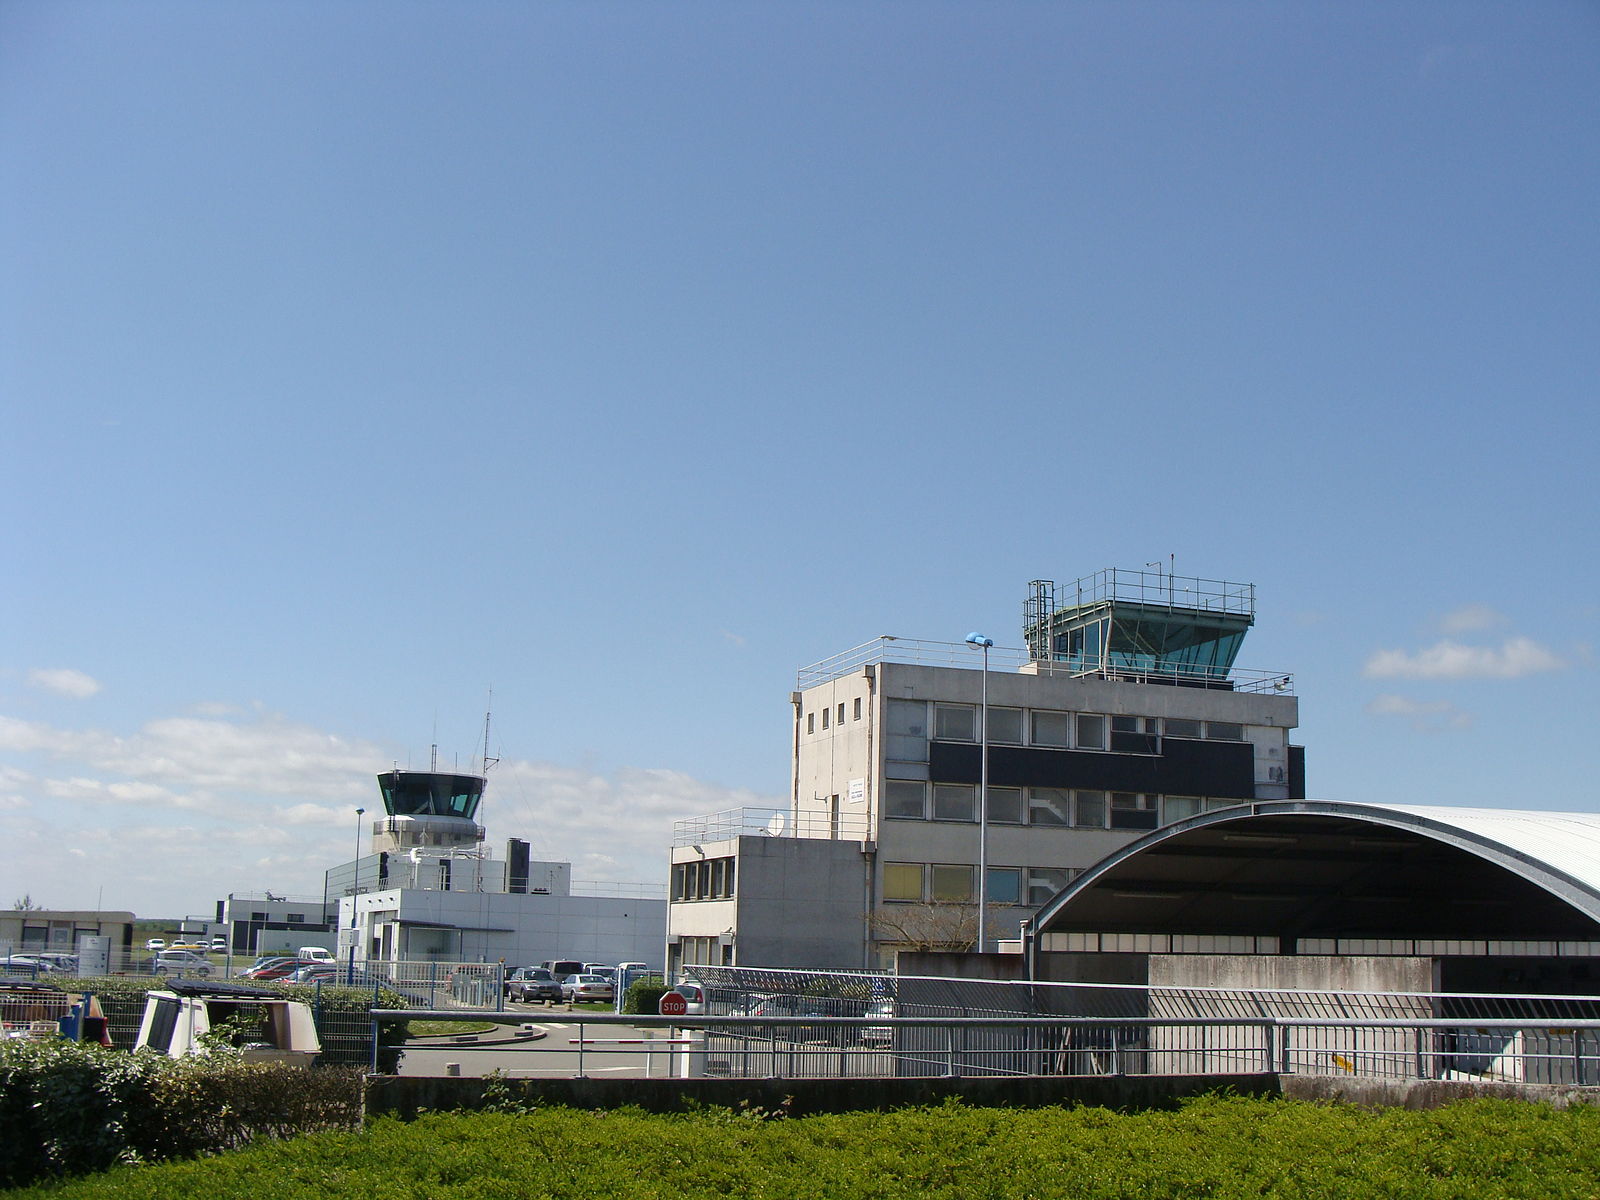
pixel 1087 750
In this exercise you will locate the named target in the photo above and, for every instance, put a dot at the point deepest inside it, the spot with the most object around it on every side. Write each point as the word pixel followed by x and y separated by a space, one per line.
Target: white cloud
pixel 1424 715
pixel 187 809
pixel 1448 659
pixel 1470 618
pixel 64 681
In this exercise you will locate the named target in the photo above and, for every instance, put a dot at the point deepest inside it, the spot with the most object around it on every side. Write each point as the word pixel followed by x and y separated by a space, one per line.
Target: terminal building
pixel 917 762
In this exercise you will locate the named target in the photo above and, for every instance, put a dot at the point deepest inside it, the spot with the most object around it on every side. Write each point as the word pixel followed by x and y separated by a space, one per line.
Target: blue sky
pixel 621 358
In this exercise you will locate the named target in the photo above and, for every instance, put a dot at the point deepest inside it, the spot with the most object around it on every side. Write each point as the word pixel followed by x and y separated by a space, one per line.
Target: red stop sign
pixel 673 1004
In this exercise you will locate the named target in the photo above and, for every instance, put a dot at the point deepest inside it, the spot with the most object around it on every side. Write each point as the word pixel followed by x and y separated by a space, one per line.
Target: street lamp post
pixel 983 643
pixel 355 891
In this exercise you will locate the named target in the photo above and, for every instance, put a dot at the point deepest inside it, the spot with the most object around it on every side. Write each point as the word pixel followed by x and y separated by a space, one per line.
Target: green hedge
pixel 1220 1149
pixel 67 1108
pixel 644 995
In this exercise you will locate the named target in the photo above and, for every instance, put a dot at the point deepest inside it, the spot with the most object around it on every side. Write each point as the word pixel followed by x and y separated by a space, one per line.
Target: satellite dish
pixel 775 825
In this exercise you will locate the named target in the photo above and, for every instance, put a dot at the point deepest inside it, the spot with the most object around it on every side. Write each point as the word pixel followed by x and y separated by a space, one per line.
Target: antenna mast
pixel 488 712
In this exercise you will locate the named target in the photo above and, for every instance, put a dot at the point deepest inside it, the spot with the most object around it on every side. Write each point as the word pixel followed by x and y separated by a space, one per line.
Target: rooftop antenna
pixel 487 761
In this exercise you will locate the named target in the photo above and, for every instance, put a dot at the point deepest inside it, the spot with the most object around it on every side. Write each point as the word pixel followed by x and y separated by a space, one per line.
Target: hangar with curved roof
pixel 1491 897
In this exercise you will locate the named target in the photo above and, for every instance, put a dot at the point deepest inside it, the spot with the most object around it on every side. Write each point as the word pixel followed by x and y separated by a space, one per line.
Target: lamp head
pixel 977 639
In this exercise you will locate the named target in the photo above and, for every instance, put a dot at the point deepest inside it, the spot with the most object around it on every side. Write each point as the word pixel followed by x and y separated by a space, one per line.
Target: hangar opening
pixel 1331 894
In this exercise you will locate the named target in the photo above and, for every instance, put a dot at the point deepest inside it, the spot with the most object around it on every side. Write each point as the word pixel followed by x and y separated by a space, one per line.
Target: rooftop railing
pixel 768 822
pixel 917 653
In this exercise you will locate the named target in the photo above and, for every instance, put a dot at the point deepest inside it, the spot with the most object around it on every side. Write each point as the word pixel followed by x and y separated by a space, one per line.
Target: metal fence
pixel 822 1047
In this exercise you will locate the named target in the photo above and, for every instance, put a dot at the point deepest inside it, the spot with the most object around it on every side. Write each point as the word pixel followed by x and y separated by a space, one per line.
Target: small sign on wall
pixel 858 791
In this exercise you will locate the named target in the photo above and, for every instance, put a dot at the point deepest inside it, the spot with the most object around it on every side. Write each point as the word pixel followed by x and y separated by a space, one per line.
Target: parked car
pixel 694 997
pixel 156 944
pixel 219 944
pixel 878 1036
pixel 576 988
pixel 313 972
pixel 562 967
pixel 529 984
pixel 177 962
pixel 275 969
pixel 787 1004
pixel 29 965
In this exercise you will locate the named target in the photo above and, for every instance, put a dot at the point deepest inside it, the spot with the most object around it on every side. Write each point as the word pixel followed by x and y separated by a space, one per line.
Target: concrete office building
pixel 1122 712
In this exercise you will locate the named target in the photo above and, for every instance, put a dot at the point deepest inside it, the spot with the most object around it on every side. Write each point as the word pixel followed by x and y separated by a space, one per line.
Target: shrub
pixel 67 1107
pixel 644 995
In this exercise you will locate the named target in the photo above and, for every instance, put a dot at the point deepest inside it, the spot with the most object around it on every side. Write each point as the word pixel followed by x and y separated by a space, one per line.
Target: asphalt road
pixel 555 1054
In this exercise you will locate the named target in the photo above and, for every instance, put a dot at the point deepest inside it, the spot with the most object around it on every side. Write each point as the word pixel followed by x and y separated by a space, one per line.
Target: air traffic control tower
pixel 1140 626
pixel 428 809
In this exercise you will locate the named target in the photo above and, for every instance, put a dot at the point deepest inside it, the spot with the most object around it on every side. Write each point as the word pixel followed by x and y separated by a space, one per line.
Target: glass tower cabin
pixel 428 809
pixel 1148 626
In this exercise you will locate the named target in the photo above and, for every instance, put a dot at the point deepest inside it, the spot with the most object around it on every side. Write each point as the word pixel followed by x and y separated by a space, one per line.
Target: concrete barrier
pixel 406 1096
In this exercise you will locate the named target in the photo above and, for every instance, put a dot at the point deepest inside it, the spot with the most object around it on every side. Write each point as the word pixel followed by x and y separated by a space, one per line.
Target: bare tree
pixel 934 927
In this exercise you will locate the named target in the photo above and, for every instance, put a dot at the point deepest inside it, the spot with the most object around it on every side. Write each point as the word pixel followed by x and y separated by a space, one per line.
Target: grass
pixel 447 1028
pixel 1218 1148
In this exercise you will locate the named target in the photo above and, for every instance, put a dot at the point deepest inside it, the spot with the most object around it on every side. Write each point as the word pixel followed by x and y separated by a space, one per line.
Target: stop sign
pixel 673 1004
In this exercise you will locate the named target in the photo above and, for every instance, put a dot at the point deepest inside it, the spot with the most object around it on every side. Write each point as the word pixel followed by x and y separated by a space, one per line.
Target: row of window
pixel 1080 808
pixel 956 883
pixel 908 730
pixel 704 879
pixel 836 715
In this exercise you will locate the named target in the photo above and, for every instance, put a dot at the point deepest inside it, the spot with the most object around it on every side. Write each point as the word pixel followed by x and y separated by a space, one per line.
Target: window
pixel 1049 806
pixel 1091 810
pixel 905 798
pixel 811 722
pixel 1225 731
pixel 1005 805
pixel 1133 810
pixel 1181 727
pixel 1005 885
pixel 955 802
pixel 906 723
pixel 1005 726
pixel 1045 882
pixel 294 917
pixel 824 718
pixel 1135 735
pixel 703 879
pixel 955 722
pixel 902 881
pixel 1091 731
pixel 840 721
pixel 1050 728
pixel 857 714
pixel 952 884
pixel 1176 808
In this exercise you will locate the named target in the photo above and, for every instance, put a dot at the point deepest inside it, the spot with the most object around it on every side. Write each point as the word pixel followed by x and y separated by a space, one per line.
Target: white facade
pixel 410 924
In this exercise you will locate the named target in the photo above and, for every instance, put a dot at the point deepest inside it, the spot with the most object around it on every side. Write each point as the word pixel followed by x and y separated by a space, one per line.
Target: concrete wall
pixel 800 903
pixel 408 1096
pixel 1299 972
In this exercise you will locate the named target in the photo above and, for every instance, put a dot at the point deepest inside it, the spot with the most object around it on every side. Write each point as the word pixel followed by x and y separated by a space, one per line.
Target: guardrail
pixel 818 1046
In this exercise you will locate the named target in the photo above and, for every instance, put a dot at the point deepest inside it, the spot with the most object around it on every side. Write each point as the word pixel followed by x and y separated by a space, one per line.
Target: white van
pixel 315 954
